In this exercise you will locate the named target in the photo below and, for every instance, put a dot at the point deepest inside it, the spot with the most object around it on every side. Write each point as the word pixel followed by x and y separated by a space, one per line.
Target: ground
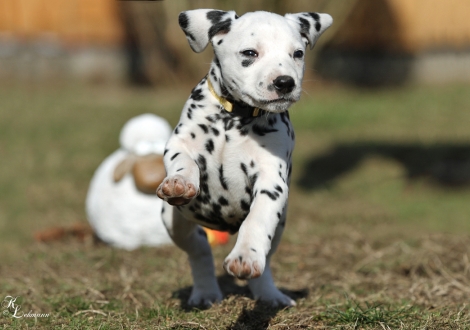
pixel 377 237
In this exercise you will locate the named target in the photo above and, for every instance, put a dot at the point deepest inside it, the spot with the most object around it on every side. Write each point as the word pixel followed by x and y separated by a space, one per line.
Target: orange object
pixel 216 237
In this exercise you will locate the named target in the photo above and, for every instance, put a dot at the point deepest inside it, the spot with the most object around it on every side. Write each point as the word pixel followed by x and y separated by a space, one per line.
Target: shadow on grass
pixel 445 164
pixel 256 318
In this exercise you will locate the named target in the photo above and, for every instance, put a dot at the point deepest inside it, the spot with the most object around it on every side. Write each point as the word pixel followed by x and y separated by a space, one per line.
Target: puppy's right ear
pixel 201 25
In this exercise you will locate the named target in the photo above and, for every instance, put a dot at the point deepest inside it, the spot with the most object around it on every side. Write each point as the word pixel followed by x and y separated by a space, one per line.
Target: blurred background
pixel 373 42
pixel 383 126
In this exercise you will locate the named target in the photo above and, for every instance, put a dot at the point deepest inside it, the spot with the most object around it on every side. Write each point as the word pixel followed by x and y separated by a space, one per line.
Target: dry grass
pixel 337 281
pixel 370 248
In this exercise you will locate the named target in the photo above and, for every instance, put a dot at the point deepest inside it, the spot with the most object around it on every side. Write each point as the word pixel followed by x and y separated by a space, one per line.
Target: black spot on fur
pixel 180 169
pixel 209 146
pixel 227 138
pixel 202 163
pixel 273 195
pixel 248 62
pixel 253 179
pixel 193 135
pixel 248 190
pixel 196 95
pixel 278 188
pixel 174 156
pixel 223 201
pixel 315 16
pixel 217 62
pixel 244 169
pixel 164 152
pixel 214 76
pixel 243 131
pixel 221 27
pixel 204 128
pixel 244 205
pixel 278 215
pixel 235 83
pixel 223 181
pixel 220 42
pixel 270 237
pixel 252 164
pixel 215 131
pixel 260 84
pixel 318 26
pixel 183 20
pixel 304 26
pixel 215 16
pixel 252 249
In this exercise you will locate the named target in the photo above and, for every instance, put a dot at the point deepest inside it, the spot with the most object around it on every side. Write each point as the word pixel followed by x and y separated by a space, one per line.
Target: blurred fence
pixel 159 46
pixel 370 41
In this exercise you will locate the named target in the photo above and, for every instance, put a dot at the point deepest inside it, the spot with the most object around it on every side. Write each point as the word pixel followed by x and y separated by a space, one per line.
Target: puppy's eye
pixel 298 54
pixel 250 53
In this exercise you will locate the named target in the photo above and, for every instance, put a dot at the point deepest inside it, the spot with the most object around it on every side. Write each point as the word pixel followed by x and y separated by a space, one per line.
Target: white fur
pixel 120 214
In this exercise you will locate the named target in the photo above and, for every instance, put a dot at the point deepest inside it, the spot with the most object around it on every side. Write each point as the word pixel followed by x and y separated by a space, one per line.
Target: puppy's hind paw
pixel 204 300
pixel 277 299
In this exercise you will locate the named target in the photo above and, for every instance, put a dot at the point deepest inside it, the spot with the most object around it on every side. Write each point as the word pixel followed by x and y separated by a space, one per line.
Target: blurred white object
pixel 119 213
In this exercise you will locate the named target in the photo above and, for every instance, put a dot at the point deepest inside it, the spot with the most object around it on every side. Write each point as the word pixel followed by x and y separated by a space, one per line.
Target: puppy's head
pixel 259 56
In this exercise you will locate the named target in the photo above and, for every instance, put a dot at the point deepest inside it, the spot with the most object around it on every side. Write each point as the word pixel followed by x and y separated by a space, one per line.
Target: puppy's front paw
pixel 176 190
pixel 245 265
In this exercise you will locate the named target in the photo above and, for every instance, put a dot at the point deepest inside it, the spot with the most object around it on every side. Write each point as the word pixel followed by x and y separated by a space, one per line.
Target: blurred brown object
pixel 149 172
pixel 405 26
pixel 78 230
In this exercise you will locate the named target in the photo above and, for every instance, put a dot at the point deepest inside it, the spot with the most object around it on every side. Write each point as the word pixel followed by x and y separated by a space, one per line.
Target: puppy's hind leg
pixel 192 239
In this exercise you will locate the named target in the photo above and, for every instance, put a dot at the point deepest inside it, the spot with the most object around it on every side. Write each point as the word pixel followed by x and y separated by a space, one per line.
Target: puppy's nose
pixel 284 84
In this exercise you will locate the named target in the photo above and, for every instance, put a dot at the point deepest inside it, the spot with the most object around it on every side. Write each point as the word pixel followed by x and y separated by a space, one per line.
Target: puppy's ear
pixel 201 25
pixel 310 25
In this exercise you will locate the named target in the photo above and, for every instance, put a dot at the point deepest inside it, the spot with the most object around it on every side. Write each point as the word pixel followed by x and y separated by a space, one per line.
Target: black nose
pixel 284 84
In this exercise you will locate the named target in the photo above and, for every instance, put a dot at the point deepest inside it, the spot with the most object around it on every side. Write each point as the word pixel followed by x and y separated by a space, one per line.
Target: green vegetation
pixel 378 235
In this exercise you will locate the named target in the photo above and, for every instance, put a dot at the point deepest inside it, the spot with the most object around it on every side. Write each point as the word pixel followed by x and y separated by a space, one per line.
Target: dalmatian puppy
pixel 228 161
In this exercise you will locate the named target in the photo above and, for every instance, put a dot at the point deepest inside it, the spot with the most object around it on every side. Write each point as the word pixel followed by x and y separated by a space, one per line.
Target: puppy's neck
pixel 217 80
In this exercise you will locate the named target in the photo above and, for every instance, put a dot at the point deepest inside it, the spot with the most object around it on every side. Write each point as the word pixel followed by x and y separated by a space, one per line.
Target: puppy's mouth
pixel 280 100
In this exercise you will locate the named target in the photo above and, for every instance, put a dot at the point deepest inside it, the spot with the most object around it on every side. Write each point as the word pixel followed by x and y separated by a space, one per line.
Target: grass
pixel 377 234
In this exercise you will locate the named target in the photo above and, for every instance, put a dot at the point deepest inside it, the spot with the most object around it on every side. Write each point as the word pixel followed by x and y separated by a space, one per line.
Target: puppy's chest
pixel 231 154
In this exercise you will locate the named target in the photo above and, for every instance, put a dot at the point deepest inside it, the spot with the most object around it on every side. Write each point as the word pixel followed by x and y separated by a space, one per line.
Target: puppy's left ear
pixel 201 25
pixel 310 25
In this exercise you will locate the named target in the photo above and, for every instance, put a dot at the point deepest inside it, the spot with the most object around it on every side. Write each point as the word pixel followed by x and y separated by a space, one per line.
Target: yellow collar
pixel 228 106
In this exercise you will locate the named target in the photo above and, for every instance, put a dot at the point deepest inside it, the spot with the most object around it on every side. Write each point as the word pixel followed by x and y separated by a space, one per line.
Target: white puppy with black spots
pixel 228 161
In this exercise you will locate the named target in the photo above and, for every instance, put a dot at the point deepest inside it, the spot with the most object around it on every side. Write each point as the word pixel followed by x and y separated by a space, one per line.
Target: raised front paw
pixel 176 190
pixel 245 265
